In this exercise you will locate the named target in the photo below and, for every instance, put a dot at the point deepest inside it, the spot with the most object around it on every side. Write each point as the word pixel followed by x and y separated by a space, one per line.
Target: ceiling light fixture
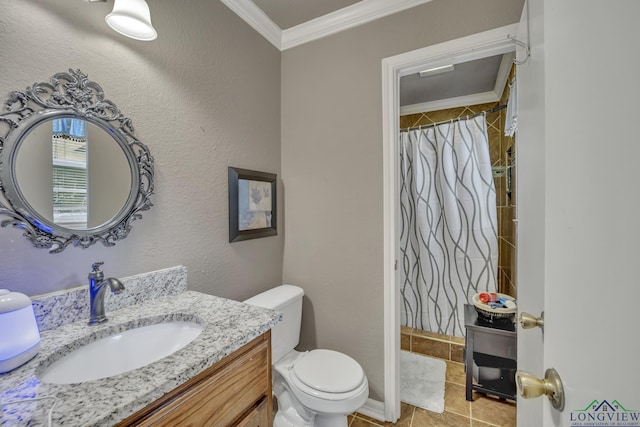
pixel 435 70
pixel 132 18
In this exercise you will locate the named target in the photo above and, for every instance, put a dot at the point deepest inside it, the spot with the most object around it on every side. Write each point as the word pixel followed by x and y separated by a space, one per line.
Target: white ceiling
pixel 474 82
pixel 290 23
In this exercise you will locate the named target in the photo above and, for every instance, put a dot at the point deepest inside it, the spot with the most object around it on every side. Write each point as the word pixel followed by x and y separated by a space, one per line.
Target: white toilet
pixel 317 388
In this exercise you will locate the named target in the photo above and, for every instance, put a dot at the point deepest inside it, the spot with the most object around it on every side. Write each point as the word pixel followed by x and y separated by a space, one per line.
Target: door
pixel 578 211
pixel 530 207
pixel 475 46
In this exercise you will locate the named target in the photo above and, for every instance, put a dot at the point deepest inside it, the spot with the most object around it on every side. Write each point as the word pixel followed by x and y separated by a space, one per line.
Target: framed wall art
pixel 252 204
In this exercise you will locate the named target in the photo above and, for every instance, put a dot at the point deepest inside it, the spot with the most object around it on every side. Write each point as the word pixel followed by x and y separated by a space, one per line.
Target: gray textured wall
pixel 205 95
pixel 332 168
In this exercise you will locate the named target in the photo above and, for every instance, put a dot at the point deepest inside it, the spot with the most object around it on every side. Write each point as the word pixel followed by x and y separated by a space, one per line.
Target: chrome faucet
pixel 97 289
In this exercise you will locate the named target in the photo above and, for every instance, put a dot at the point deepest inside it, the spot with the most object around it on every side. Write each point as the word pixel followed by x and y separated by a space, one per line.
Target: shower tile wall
pixel 503 151
pixel 432 344
pixel 507 205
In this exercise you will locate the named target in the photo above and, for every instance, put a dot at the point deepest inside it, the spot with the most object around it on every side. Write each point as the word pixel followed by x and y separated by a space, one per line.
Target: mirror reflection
pixel 73 173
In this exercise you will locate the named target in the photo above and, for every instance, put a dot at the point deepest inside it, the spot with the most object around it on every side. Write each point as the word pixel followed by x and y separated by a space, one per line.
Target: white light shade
pixel 131 18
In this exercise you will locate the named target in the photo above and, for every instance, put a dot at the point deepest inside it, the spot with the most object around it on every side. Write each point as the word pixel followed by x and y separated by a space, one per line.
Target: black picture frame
pixel 252 204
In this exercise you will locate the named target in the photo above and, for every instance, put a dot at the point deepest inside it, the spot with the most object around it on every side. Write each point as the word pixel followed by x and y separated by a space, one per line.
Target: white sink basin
pixel 121 352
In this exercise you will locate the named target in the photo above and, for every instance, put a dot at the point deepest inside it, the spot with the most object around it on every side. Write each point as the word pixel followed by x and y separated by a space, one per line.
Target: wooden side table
pixel 490 351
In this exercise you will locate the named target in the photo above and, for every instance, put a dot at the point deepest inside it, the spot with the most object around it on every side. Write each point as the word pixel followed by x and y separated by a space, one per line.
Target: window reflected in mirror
pixel 70 178
pixel 73 173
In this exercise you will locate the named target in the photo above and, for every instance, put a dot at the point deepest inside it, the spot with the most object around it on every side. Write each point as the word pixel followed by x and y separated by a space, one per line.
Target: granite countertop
pixel 228 326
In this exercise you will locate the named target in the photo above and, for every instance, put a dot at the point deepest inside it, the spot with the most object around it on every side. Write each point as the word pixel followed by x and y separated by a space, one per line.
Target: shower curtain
pixel 448 237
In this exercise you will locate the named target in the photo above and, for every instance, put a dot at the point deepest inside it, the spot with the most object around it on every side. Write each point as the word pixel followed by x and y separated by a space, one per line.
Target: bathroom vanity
pixel 234 391
pixel 223 377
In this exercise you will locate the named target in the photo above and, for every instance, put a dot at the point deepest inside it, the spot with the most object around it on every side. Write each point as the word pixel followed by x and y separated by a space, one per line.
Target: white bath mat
pixel 422 381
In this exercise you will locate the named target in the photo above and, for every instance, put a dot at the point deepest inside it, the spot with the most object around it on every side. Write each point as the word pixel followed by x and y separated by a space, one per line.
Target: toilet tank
pixel 287 299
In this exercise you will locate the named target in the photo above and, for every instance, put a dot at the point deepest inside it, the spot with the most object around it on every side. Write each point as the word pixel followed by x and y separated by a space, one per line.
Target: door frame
pixel 481 45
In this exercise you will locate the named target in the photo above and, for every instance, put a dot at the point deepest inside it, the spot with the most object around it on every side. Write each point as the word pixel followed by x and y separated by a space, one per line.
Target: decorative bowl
pixel 489 314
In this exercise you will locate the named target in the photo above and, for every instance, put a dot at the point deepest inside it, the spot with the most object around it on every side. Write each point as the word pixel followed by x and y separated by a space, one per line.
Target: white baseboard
pixel 373 408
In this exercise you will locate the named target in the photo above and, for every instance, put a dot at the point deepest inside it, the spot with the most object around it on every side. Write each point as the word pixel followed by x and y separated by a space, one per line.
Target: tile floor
pixel 484 411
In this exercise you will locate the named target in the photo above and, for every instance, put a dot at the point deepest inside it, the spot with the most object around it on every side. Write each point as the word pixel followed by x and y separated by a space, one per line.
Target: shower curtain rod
pixel 470 116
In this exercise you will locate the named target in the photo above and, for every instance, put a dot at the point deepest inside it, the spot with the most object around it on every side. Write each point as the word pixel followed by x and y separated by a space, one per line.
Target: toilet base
pixel 290 419
pixel 331 421
pixel 293 419
pixel 291 413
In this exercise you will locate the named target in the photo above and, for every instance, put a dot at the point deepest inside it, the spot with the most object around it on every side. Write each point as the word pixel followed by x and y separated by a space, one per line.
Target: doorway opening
pixel 483 45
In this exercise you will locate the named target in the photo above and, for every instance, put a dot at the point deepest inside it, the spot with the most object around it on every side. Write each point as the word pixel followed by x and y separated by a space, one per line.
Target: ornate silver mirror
pixel 71 169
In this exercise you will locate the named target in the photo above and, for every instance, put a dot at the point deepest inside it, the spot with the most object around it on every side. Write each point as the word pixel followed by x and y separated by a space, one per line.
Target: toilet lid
pixel 329 371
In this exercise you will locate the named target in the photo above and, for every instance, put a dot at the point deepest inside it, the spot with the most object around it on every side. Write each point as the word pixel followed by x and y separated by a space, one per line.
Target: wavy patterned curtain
pixel 448 236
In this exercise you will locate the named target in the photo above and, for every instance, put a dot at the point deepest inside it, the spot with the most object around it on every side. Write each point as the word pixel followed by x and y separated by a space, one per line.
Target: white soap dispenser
pixel 19 334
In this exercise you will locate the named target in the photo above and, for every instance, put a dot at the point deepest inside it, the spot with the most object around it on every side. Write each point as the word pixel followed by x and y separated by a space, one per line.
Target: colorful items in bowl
pixel 493 307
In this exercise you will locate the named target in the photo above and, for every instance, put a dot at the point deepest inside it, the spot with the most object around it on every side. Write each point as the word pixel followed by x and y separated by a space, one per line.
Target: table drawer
pixel 495 345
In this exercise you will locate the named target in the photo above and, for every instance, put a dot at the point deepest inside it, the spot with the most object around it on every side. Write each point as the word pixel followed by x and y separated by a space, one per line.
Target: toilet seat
pixel 319 388
pixel 327 374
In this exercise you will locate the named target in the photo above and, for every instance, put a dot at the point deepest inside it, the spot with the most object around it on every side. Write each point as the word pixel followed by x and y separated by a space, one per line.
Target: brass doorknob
pixel 530 386
pixel 528 321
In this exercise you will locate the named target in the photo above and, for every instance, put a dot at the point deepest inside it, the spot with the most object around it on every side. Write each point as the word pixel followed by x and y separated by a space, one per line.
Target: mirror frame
pixel 66 95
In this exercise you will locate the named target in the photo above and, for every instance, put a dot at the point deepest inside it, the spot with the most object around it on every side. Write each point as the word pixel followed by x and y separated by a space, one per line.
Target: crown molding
pixel 344 19
pixel 257 19
pixel 331 23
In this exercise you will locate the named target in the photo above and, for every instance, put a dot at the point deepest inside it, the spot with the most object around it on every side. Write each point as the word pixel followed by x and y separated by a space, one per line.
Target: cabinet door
pixel 259 417
pixel 217 397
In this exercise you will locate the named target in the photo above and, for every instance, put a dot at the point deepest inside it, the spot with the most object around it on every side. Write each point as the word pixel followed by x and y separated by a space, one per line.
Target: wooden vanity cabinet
pixel 236 391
